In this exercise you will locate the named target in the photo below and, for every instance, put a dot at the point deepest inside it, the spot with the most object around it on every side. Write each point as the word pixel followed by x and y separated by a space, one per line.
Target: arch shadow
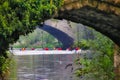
pixel 64 38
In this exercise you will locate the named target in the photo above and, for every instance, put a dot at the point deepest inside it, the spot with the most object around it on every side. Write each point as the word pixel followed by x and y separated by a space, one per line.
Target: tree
pixel 19 17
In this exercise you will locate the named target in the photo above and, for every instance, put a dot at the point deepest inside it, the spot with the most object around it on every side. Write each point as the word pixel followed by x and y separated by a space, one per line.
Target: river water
pixel 45 67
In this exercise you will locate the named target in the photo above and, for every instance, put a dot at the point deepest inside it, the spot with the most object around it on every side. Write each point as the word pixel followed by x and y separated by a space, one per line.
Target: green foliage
pixel 100 66
pixel 4 67
pixel 19 17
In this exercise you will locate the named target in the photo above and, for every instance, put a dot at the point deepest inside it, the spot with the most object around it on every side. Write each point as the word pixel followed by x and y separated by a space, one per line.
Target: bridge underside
pixel 64 38
pixel 106 23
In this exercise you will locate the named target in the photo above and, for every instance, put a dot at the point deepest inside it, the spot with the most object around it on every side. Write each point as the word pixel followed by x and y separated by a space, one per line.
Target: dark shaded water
pixel 45 67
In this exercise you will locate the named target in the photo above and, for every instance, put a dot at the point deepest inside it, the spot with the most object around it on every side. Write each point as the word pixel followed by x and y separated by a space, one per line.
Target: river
pixel 44 67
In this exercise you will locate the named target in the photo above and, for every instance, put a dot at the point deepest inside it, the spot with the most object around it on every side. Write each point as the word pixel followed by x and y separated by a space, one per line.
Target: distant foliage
pixel 37 39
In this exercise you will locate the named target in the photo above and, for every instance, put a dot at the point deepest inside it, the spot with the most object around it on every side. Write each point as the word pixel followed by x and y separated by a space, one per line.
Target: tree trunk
pixel 117 62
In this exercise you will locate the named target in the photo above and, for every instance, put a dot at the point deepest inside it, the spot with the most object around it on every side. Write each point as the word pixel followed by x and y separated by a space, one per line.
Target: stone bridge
pixel 61 30
pixel 102 15
pixel 66 32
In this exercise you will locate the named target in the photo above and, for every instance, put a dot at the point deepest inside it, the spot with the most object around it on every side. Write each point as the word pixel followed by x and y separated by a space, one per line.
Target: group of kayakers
pixel 58 48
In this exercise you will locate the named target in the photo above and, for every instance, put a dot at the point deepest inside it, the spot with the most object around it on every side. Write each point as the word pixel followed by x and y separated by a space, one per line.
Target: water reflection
pixel 44 67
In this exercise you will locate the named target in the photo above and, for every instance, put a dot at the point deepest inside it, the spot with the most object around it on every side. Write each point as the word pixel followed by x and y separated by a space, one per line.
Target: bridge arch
pixel 103 16
pixel 60 30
